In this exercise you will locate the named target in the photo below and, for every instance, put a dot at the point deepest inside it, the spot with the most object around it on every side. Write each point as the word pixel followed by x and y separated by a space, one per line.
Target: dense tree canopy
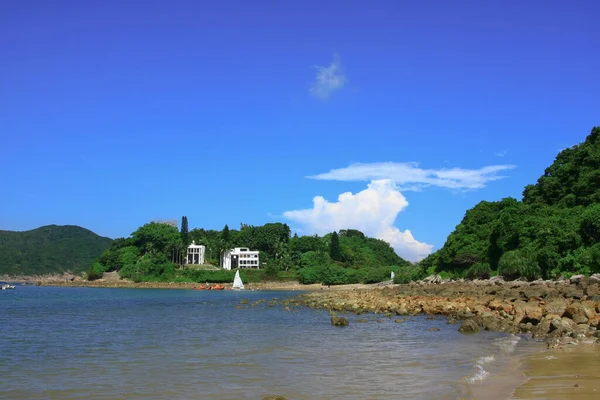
pixel 554 231
pixel 150 253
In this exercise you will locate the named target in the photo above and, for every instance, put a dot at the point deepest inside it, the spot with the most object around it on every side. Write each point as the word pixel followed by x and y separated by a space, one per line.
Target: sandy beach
pixel 568 373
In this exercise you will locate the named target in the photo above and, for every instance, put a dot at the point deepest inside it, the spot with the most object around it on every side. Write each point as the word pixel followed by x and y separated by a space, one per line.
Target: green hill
pixel 554 231
pixel 49 249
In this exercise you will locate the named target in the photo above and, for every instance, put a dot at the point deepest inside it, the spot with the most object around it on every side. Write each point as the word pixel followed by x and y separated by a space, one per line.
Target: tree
pixel 156 237
pixel 225 235
pixel 334 248
pixel 185 236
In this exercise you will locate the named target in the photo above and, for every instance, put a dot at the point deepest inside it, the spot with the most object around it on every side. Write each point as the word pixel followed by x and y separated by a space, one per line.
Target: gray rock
pixel 339 321
pixel 433 279
pixel 469 326
pixel 595 278
pixel 576 278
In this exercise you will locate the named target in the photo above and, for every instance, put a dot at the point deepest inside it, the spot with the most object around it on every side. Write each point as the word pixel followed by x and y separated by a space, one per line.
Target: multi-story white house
pixel 195 254
pixel 240 257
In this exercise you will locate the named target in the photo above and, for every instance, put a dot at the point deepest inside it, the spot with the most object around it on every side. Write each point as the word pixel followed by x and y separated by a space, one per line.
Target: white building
pixel 195 254
pixel 240 257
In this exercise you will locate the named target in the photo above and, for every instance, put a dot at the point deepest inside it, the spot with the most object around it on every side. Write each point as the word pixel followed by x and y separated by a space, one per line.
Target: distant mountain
pixel 49 249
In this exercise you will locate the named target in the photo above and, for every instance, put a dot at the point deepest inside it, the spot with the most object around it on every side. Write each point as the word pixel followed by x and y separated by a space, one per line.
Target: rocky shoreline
pixel 560 312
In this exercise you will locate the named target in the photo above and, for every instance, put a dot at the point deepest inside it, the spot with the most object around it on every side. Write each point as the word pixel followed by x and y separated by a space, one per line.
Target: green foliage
pixel 185 235
pixel 590 225
pixel 409 273
pixel 360 259
pixel 575 175
pixel 334 247
pixel 49 249
pixel 554 228
pixel 156 237
pixel 304 244
pixel 96 271
pixel 149 265
pixel 379 274
pixel 479 271
pixel 225 234
pixel 519 264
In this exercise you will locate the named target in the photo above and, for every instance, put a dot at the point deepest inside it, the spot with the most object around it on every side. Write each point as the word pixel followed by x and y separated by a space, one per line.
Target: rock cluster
pixel 546 309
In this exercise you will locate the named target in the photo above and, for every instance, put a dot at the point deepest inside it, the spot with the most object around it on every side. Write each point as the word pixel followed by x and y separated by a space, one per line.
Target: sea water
pixel 96 343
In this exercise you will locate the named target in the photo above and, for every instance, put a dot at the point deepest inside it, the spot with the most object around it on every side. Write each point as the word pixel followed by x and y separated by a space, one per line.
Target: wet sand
pixel 569 373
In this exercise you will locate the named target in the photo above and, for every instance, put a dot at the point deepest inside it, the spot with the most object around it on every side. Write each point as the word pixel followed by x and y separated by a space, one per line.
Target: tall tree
pixel 225 235
pixel 185 236
pixel 334 248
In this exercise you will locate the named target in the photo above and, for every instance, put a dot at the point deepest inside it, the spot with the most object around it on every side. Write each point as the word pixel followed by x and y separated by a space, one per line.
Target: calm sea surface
pixel 90 343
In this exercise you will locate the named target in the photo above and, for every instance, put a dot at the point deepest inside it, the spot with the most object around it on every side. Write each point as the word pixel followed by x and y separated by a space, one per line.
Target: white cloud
pixel 328 79
pixel 500 153
pixel 372 211
pixel 413 178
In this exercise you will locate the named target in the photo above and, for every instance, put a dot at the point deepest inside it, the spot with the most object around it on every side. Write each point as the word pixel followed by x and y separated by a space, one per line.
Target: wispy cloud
pixel 328 79
pixel 372 211
pixel 412 178
pixel 500 153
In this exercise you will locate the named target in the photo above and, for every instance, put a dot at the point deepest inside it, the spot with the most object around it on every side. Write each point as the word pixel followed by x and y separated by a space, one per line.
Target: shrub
pixel 478 271
pixel 206 276
pixel 96 271
pixel 519 264
pixel 376 275
pixel 308 275
pixel 150 265
pixel 408 274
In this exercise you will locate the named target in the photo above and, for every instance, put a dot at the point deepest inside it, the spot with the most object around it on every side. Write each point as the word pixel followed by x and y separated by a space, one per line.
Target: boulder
pixel 469 326
pixel 576 313
pixel 595 278
pixel 556 307
pixel 534 292
pixel 572 292
pixel 576 279
pixel 562 327
pixel 433 279
pixel 592 290
pixel 545 326
pixel 496 324
pixel 339 321
pixel 533 312
pixel 594 321
pixel 497 280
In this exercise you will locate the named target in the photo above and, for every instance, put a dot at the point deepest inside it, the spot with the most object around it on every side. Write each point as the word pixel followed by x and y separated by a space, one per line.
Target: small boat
pixel 237 281
pixel 211 287
pixel 8 286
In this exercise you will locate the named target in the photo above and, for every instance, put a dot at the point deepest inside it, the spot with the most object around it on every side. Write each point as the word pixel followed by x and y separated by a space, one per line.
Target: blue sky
pixel 116 113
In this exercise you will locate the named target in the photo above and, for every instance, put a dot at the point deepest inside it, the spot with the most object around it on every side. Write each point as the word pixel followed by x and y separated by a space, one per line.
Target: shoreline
pixel 60 281
pixel 569 373
pixel 560 318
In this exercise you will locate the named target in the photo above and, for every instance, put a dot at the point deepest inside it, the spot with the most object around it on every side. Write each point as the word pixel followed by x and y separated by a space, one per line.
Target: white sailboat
pixel 237 281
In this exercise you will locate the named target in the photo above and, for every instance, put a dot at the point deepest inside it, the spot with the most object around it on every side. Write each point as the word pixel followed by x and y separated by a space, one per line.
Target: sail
pixel 237 281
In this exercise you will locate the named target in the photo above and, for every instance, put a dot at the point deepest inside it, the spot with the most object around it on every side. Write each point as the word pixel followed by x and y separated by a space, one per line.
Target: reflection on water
pixel 76 343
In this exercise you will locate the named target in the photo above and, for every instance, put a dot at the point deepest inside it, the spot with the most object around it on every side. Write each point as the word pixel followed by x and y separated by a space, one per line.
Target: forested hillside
pixel 152 253
pixel 49 249
pixel 554 231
